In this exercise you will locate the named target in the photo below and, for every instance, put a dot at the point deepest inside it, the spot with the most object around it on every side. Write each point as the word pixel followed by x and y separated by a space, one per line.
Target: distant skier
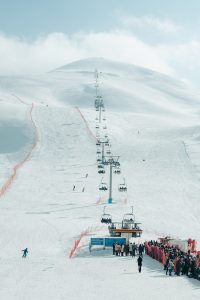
pixel 25 252
pixel 86 175
pixel 74 188
pixel 83 189
pixel 139 260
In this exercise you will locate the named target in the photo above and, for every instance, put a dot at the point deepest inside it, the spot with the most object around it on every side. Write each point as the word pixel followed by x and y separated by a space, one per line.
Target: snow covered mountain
pixel 48 146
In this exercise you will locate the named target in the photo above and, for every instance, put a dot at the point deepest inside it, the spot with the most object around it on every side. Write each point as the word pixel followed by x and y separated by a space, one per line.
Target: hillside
pixel 153 125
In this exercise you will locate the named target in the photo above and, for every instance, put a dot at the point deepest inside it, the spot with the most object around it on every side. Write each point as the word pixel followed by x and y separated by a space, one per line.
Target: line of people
pixel 179 262
pixel 127 249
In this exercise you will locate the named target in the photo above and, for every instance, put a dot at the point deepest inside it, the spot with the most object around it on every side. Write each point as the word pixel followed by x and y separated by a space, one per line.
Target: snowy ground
pixel 153 124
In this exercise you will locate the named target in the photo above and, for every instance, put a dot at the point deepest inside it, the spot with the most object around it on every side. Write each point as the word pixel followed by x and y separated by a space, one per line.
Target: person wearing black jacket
pixel 139 260
pixel 178 267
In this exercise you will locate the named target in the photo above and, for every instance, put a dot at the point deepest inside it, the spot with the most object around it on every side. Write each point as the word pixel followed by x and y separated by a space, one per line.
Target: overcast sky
pixel 38 35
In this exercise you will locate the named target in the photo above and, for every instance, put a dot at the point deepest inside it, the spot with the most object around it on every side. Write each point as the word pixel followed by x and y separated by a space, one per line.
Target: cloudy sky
pixel 39 35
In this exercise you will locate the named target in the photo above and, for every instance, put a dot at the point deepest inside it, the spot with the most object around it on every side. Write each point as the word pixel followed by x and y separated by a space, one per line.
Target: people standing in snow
pixel 134 250
pixel 141 249
pixel 178 266
pixel 166 265
pixel 126 249
pixel 139 261
pixel 25 252
pixel 113 246
pixel 122 250
pixel 170 267
pixel 131 249
pixel 118 249
pixel 74 188
pixel 174 259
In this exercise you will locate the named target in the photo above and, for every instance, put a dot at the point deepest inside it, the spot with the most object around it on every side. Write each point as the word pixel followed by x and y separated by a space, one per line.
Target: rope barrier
pixel 83 234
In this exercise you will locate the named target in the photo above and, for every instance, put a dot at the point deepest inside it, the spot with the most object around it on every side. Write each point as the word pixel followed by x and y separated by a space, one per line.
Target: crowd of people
pixel 176 261
pixel 127 249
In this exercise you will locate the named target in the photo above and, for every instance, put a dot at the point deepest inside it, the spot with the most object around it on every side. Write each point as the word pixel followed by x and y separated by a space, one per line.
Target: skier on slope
pixel 139 260
pixel 25 252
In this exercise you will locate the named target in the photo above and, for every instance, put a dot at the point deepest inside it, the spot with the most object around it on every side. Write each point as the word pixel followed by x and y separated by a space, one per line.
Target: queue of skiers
pixel 179 262
pixel 127 249
pixel 182 264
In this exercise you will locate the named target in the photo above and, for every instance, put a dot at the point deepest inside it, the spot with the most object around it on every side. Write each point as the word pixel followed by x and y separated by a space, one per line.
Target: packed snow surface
pixel 153 124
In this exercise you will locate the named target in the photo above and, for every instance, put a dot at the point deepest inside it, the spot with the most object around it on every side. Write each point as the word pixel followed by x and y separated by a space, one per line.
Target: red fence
pixel 159 254
pixel 155 253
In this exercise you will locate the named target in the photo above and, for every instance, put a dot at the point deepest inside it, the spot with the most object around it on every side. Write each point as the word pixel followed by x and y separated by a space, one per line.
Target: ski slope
pixel 153 125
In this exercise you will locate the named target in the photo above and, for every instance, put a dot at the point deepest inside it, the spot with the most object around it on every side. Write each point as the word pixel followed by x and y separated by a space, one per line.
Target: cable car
pixel 105 127
pixel 106 218
pixel 108 152
pixel 107 144
pixel 97 126
pixel 117 171
pixel 98 151
pixel 101 171
pixel 96 119
pixel 122 187
pixel 103 186
pixel 100 166
pixel 98 143
pixel 129 217
pixel 104 118
pixel 98 159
